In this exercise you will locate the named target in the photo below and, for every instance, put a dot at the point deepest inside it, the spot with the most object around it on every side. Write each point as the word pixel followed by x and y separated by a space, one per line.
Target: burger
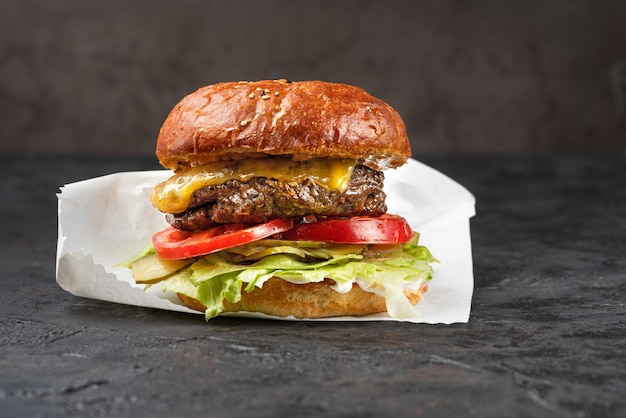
pixel 276 206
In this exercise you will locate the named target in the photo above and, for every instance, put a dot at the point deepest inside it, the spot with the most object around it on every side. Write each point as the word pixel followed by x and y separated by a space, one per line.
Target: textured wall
pixel 467 76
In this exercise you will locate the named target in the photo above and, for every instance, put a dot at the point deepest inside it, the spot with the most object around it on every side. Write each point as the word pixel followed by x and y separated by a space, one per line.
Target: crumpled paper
pixel 105 220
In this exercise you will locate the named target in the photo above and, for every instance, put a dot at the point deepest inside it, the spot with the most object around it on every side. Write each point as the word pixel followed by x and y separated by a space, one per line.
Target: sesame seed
pixel 244 122
pixel 265 96
pixel 275 93
pixel 251 95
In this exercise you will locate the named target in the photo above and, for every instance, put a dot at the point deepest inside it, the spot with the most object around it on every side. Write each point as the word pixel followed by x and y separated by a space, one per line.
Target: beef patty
pixel 261 199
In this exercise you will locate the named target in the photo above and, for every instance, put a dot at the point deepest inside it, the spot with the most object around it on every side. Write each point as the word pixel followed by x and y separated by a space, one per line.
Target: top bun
pixel 307 119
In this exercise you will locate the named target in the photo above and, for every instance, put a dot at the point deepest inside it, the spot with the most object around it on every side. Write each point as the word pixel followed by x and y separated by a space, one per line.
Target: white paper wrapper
pixel 105 220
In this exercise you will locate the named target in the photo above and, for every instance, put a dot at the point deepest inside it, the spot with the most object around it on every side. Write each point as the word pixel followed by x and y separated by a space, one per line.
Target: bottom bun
pixel 283 299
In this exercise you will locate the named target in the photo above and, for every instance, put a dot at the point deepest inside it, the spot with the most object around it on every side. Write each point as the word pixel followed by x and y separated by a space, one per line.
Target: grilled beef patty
pixel 261 199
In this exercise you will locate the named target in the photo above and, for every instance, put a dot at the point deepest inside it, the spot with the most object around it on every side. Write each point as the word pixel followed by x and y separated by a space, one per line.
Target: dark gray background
pixel 483 76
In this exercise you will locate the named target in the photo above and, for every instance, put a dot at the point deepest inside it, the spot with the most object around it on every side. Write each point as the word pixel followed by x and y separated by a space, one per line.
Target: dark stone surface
pixel 546 337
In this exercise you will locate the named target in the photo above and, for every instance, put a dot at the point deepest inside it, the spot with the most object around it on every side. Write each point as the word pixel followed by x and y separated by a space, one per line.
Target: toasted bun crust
pixel 314 300
pixel 307 119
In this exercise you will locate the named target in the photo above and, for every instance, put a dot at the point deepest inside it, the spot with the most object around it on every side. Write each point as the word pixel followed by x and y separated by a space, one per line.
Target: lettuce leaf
pixel 385 270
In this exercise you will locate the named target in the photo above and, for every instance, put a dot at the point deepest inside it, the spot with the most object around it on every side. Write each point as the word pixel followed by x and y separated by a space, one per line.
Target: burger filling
pixel 261 199
pixel 237 224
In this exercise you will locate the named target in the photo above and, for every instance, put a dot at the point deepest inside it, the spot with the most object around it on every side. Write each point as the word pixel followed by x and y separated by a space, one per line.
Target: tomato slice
pixel 385 229
pixel 175 244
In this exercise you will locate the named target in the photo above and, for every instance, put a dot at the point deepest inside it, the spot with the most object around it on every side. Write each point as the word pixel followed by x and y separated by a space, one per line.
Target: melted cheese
pixel 174 194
